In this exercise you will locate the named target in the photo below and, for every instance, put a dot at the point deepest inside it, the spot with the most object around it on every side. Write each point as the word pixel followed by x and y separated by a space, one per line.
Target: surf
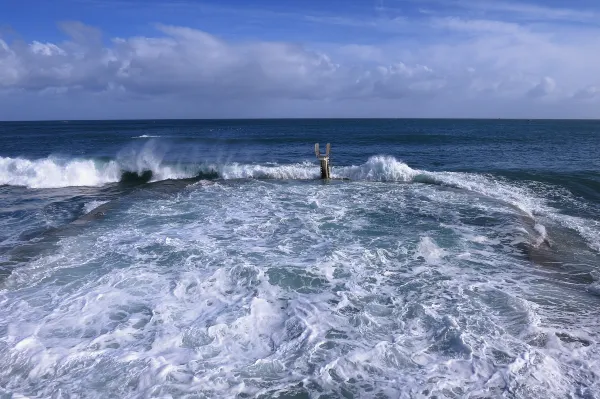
pixel 149 165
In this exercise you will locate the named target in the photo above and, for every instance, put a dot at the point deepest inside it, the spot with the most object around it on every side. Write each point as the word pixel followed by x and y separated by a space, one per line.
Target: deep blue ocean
pixel 206 259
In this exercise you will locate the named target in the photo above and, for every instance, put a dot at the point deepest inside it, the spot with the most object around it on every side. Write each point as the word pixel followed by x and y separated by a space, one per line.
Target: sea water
pixel 206 259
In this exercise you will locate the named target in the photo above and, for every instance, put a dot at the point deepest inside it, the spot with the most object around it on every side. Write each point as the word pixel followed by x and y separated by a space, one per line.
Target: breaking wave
pixel 146 167
pixel 54 173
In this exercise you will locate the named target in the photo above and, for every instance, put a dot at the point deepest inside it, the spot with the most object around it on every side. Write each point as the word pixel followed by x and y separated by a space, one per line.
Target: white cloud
pixel 588 93
pixel 502 63
pixel 188 61
pixel 476 25
pixel 363 53
pixel 194 63
pixel 47 49
pixel 546 86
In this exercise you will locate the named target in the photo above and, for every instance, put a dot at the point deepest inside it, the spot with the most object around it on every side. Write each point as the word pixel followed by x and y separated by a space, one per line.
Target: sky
pixel 151 59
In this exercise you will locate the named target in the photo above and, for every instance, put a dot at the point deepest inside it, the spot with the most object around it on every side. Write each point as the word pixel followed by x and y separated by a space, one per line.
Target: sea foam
pixel 53 172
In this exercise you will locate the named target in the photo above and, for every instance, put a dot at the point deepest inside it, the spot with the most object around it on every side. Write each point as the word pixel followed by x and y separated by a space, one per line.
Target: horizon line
pixel 298 119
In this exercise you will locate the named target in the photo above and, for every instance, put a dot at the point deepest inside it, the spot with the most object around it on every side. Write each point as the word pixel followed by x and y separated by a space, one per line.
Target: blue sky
pixel 72 59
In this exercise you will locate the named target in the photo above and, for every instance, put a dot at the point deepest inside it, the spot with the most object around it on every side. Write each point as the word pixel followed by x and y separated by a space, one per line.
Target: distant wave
pixel 144 136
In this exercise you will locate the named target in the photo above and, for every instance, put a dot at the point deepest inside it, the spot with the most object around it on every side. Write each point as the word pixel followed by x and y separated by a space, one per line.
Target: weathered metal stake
pixel 324 159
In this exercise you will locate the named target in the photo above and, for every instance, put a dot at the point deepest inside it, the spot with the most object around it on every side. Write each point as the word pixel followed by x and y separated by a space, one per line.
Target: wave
pixel 145 136
pixel 144 167
pixel 389 169
pixel 147 166
pixel 54 172
pixel 377 168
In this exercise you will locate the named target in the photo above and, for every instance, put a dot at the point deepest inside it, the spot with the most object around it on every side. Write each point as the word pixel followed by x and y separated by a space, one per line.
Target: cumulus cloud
pixel 47 49
pixel 191 62
pixel 502 62
pixel 546 86
pixel 588 93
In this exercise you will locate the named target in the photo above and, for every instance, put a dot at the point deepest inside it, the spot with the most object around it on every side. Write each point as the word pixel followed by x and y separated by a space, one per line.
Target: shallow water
pixel 230 270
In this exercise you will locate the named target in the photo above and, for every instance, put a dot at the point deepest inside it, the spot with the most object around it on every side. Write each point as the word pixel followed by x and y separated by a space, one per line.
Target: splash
pixel 53 172
pixel 378 168
pixel 56 172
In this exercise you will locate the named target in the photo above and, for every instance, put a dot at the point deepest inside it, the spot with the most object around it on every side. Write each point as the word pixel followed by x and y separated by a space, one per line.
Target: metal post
pixel 324 160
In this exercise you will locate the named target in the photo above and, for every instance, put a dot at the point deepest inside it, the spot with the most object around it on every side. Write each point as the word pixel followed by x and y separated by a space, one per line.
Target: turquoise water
pixel 448 258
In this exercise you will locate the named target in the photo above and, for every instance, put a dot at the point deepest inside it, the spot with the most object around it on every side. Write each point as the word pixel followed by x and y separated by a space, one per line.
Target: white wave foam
pixel 385 168
pixel 293 171
pixel 378 168
pixel 52 173
pixel 529 202
pixel 90 206
pixel 519 197
pixel 145 136
pixel 428 250
pixel 588 229
pixel 238 294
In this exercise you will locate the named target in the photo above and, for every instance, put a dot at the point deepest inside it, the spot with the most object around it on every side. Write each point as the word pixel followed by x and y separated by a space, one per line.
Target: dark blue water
pixel 447 258
pixel 466 145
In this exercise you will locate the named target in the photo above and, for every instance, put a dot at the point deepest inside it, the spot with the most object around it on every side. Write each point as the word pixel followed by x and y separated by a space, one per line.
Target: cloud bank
pixel 455 67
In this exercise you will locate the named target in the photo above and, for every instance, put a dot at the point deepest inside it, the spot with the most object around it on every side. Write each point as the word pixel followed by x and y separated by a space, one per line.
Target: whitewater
pixel 165 268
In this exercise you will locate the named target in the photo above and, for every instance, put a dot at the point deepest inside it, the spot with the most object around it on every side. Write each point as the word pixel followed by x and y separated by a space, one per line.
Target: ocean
pixel 206 259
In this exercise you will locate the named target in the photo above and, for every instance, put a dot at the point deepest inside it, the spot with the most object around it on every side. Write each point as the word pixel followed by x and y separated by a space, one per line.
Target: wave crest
pixel 299 171
pixel 378 168
pixel 53 173
pixel 149 166
pixel 131 165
